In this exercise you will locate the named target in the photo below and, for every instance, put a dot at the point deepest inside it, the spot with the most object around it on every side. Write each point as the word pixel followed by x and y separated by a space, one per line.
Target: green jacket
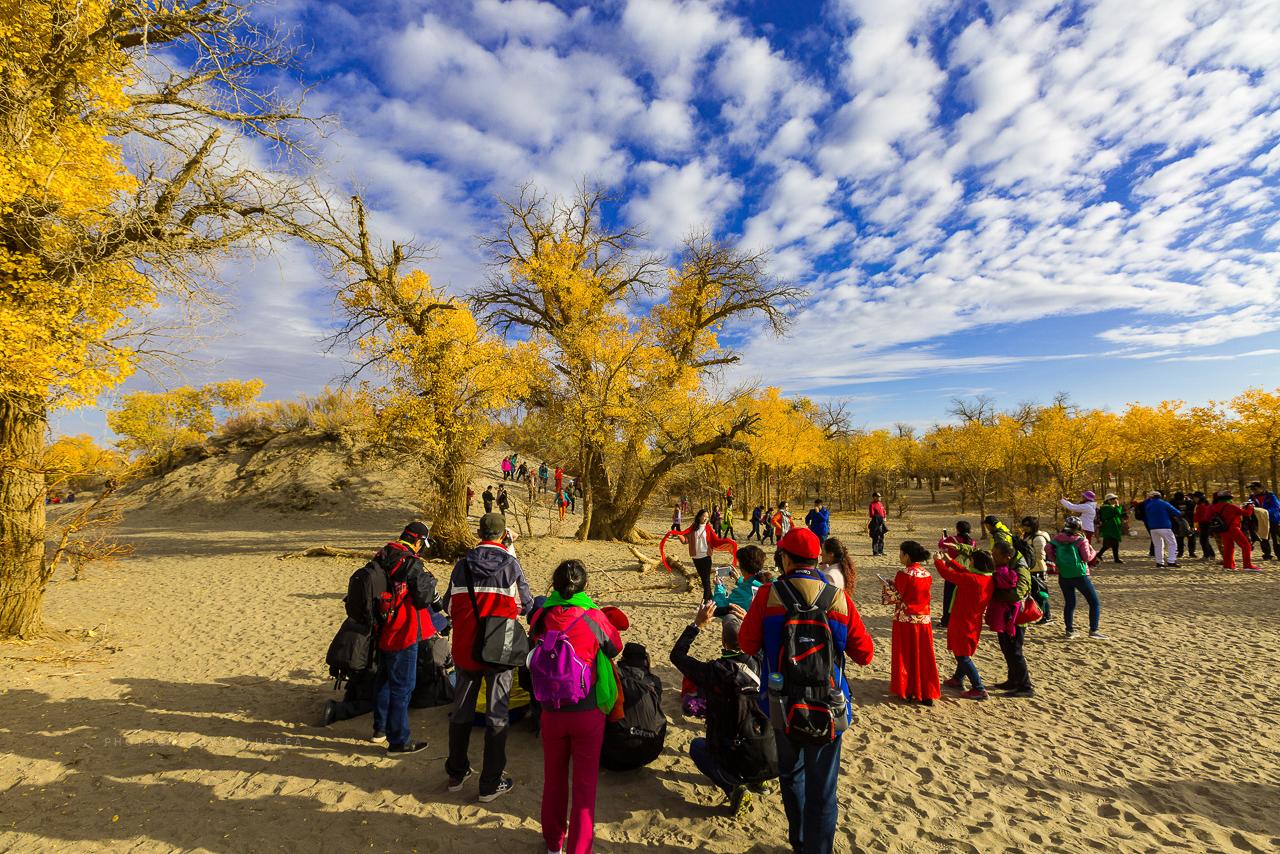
pixel 1111 518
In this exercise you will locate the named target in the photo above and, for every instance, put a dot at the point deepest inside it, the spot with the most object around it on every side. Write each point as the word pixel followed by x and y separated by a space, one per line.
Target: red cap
pixel 617 617
pixel 801 542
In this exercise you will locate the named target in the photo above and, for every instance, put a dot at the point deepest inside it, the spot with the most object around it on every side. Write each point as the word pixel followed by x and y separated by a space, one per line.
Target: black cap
pixel 415 533
pixel 635 655
pixel 492 526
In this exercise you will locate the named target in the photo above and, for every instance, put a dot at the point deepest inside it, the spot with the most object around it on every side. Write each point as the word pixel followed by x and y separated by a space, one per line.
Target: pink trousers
pixel 570 737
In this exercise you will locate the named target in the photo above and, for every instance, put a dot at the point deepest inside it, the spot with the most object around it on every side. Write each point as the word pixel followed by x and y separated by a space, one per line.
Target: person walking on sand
pixel 562 502
pixel 487 582
pixel 506 468
pixel 1233 534
pixel 1088 510
pixel 913 670
pixel 767 530
pixel 739 752
pixel 487 499
pixel 559 479
pixel 677 523
pixel 973 593
pixel 715 519
pixel 1111 518
pixel 757 513
pixel 573 678
pixel 543 474
pixel 784 520
pixel 504 501
pixel 877 524
pixel 1073 556
pixel 1159 515
pixel 726 524
pixel 808 722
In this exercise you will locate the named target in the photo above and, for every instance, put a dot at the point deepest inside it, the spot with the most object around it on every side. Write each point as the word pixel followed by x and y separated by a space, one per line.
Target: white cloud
pixel 680 200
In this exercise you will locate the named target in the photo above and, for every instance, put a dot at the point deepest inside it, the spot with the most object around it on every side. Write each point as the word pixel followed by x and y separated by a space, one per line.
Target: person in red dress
pixel 914 670
pixel 973 594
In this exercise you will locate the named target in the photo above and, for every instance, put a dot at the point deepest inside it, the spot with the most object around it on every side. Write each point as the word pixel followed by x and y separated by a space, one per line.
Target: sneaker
pixel 1044 621
pixel 956 684
pixel 505 785
pixel 1171 566
pixel 974 694
pixel 740 801
pixel 1097 636
pixel 330 712
pixel 1071 635
pixel 378 735
pixel 1118 560
pixel 768 787
pixel 1020 693
pixel 456 783
pixel 406 749
pixel 1253 569
pixel 1159 566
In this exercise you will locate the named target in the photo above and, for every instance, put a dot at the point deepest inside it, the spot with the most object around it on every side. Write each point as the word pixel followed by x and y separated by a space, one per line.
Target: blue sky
pixel 1012 198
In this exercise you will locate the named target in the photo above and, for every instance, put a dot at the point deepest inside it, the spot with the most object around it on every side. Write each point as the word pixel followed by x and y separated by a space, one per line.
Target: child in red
pixel 973 593
pixel 913 668
pixel 573 734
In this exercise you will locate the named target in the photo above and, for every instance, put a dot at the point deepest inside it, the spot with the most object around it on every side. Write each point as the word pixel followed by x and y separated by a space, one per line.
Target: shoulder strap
pixel 826 598
pixel 471 592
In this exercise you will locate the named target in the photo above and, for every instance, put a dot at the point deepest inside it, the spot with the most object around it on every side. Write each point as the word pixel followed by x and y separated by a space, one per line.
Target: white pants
pixel 1166 545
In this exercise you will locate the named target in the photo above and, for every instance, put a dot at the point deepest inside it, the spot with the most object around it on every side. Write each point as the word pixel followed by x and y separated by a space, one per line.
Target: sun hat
pixel 1089 495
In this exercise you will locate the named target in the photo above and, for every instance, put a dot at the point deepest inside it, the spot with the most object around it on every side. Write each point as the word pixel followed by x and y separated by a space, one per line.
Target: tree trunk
pixel 451 535
pixel 22 494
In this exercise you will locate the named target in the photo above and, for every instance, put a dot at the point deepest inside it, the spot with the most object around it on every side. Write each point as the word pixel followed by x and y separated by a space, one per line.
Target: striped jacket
pixel 762 628
pixel 501 591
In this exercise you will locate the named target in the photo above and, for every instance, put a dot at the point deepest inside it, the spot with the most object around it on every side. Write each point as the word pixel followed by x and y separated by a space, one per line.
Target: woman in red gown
pixel 914 668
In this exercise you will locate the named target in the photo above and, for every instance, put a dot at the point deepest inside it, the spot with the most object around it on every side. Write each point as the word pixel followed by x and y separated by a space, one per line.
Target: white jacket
pixel 1088 513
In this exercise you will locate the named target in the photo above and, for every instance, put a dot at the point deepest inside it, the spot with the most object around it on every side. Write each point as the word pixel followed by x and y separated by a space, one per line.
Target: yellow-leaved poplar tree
pixel 119 176
pixel 158 426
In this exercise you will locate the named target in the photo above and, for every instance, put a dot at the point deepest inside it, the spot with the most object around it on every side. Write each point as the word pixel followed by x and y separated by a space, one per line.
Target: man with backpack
pixel 1073 556
pixel 487 585
pixel 405 619
pixel 806 628
pixel 638 738
pixel 739 753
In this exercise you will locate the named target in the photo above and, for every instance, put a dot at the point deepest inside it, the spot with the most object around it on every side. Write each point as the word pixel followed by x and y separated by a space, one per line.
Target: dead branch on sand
pixel 328 551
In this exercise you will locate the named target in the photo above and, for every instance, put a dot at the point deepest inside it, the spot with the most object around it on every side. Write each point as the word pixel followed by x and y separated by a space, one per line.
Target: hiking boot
pixel 456 783
pixel 975 694
pixel 330 712
pixel 956 684
pixel 1097 636
pixel 406 749
pixel 505 785
pixel 740 801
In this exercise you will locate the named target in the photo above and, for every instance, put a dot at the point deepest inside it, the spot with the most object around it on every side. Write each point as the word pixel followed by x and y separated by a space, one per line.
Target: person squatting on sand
pixel 913 670
pixel 806 628
pixel 487 582
pixel 739 752
pixel 574 681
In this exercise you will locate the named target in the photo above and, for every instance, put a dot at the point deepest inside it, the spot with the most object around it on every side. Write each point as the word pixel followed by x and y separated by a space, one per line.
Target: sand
pixel 177 711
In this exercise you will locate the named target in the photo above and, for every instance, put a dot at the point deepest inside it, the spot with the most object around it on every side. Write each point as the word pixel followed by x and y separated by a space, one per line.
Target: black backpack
pixel 639 737
pixel 812 701
pixel 747 748
pixel 1023 548
pixel 354 648
pixel 434 685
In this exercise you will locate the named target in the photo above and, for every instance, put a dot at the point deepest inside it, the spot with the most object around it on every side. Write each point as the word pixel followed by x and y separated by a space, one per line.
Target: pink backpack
pixel 559 676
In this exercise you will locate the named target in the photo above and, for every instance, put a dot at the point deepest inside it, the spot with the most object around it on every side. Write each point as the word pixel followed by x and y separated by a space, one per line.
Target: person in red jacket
pixel 807 773
pixel 487 582
pixel 406 620
pixel 702 541
pixel 1234 535
pixel 573 733
pixel 913 670
pixel 973 594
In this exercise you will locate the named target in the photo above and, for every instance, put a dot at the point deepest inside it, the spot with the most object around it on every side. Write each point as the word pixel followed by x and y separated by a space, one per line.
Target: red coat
pixel 913 669
pixel 1231 514
pixel 973 594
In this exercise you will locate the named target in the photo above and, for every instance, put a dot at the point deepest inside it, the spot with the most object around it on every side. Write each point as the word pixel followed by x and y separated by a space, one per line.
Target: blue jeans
pixel 808 778
pixel 1083 584
pixel 700 753
pixel 966 667
pixel 391 711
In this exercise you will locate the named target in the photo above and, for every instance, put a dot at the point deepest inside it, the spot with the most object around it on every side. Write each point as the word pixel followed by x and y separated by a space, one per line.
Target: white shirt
pixel 835 575
pixel 1088 512
pixel 700 547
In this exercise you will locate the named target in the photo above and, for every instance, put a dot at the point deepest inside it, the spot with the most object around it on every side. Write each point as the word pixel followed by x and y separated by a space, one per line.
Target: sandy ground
pixel 178 714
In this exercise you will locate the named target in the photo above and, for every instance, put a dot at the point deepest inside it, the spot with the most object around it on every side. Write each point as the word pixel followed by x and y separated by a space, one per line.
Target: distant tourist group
pixel 775 700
